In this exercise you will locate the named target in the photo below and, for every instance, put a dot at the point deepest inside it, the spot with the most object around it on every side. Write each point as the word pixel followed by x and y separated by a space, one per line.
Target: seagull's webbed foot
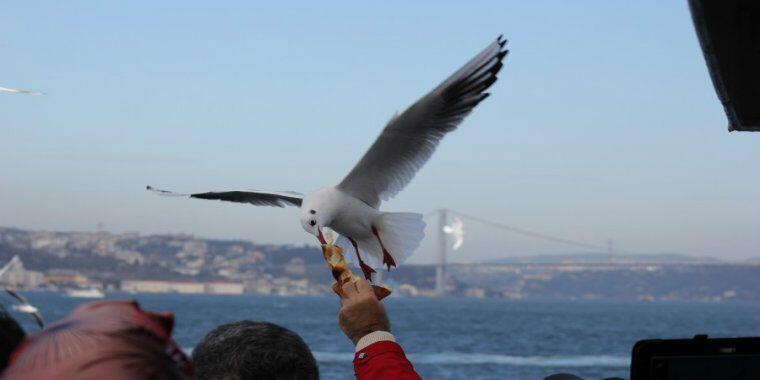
pixel 366 269
pixel 387 258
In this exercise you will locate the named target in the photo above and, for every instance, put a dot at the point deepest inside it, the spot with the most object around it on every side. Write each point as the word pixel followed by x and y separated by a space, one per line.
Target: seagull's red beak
pixel 320 236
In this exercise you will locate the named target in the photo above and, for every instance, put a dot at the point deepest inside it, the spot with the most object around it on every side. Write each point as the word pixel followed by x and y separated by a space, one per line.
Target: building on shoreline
pixel 157 286
pixel 14 275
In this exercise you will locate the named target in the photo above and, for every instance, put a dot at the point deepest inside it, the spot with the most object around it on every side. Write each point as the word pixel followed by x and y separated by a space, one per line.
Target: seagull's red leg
pixel 387 258
pixel 366 269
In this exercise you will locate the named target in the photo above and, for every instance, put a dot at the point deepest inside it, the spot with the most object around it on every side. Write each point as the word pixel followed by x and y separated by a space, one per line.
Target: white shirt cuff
pixel 373 337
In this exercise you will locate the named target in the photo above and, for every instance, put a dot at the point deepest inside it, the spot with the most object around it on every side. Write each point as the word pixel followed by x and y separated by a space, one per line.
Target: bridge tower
pixel 440 269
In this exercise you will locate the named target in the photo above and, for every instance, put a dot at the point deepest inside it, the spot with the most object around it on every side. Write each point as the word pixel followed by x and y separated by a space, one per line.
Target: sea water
pixel 456 338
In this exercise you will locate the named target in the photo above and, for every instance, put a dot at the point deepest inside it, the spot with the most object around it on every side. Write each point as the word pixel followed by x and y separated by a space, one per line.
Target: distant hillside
pixel 131 255
pixel 604 258
pixel 703 282
pixel 271 269
pixel 104 256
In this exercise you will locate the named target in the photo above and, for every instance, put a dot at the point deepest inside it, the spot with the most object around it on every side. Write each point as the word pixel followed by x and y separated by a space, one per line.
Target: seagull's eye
pixel 313 222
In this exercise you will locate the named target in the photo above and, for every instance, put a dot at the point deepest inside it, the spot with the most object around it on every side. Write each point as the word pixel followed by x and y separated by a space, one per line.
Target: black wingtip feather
pixel 490 81
pixel 497 68
pixel 480 98
pixel 465 85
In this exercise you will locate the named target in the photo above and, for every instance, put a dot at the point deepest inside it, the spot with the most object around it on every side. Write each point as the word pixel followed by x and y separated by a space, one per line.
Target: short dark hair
pixel 11 334
pixel 248 350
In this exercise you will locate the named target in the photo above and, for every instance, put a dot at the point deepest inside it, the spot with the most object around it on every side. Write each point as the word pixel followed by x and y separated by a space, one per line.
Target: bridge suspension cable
pixel 529 233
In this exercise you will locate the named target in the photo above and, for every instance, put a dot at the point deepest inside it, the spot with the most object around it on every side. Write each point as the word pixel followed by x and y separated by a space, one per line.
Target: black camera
pixel 696 359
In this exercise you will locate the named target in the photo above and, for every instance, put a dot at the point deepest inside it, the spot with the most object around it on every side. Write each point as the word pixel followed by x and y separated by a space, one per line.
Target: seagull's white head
pixel 310 221
pixel 316 213
pixel 314 217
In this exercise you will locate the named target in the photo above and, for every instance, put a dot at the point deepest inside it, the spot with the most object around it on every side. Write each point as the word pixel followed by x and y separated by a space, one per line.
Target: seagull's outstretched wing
pixel 409 139
pixel 18 297
pixel 17 91
pixel 254 197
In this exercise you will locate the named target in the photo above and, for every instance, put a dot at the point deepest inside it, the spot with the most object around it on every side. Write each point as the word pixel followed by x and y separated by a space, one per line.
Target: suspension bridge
pixel 445 216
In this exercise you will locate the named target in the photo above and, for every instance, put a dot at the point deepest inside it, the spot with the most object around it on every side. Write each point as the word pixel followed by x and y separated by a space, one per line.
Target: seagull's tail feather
pixel 401 233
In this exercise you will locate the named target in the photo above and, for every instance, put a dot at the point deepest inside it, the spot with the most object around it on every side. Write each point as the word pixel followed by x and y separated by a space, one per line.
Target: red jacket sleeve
pixel 383 360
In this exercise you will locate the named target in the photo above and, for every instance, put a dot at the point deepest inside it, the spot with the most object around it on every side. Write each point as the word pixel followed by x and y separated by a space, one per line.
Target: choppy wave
pixel 456 358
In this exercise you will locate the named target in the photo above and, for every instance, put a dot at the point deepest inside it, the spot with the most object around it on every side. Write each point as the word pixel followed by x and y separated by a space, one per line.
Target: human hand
pixel 360 313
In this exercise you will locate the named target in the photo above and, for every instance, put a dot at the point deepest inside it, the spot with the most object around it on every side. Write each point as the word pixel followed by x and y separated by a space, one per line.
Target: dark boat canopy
pixel 729 33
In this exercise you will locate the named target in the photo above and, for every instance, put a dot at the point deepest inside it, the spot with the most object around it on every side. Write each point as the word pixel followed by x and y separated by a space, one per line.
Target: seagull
pixel 16 91
pixel 456 229
pixel 25 307
pixel 351 208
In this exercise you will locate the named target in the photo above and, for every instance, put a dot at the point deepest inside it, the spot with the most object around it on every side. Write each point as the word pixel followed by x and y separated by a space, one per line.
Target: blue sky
pixel 603 126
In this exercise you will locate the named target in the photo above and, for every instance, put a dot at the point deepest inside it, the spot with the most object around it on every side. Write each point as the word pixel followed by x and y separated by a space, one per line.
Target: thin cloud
pixel 19 91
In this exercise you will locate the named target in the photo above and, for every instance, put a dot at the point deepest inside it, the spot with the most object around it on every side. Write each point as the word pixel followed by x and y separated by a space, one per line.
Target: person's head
pixel 114 340
pixel 11 334
pixel 249 350
pixel 563 376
